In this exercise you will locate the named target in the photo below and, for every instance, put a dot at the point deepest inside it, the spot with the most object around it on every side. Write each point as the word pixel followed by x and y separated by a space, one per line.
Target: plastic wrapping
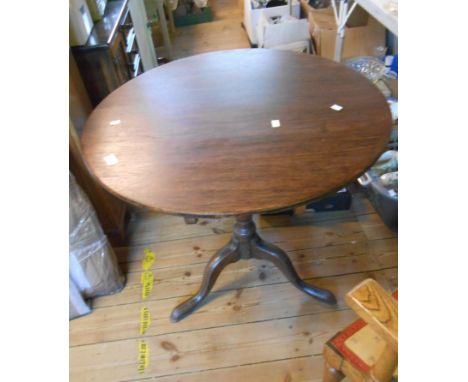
pixel 370 67
pixel 77 305
pixel 93 266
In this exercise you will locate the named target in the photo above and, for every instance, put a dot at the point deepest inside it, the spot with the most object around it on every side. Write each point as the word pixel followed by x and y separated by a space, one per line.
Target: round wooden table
pixel 237 132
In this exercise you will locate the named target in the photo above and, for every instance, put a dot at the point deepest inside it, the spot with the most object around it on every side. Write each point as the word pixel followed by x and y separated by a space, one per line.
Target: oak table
pixel 237 132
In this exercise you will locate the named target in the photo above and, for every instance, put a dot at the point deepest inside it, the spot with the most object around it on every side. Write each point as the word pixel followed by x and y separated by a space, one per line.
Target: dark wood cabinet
pixel 112 212
pixel 111 56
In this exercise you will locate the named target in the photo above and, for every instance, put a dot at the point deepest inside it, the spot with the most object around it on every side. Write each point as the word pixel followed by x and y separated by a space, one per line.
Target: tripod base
pixel 247 244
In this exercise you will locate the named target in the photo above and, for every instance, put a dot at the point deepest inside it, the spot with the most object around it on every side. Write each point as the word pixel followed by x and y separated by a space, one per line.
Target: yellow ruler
pixel 145 320
pixel 148 260
pixel 143 356
pixel 147 281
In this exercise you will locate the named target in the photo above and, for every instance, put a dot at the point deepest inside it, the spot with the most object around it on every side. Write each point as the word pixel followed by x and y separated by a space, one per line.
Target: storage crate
pixel 336 202
pixel 384 201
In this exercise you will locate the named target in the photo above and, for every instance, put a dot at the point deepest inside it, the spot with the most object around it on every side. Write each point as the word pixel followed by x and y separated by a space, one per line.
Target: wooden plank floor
pixel 224 32
pixel 255 326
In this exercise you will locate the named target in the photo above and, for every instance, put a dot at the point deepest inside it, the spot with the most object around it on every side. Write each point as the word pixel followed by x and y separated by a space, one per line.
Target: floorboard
pixel 301 369
pixel 224 32
pixel 196 350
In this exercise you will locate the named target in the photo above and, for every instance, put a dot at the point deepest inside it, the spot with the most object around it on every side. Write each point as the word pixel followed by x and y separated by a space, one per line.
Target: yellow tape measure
pixel 143 356
pixel 148 260
pixel 145 320
pixel 147 281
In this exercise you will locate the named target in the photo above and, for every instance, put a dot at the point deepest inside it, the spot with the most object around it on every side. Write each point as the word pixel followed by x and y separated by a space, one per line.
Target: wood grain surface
pixel 195 135
pixel 378 308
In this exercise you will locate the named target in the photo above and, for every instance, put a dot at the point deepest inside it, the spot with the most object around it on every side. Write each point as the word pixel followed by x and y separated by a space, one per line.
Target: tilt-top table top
pixel 236 132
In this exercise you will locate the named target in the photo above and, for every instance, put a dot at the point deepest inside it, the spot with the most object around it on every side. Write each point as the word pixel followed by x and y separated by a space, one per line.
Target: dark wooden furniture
pixel 195 137
pixel 111 211
pixel 110 57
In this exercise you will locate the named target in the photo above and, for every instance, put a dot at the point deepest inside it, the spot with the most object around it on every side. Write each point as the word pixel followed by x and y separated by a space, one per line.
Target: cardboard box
pixel 393 85
pixel 358 17
pixel 363 33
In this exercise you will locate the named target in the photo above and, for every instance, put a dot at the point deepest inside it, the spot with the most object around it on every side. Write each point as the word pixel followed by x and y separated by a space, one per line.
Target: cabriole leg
pixel 220 260
pixel 266 251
